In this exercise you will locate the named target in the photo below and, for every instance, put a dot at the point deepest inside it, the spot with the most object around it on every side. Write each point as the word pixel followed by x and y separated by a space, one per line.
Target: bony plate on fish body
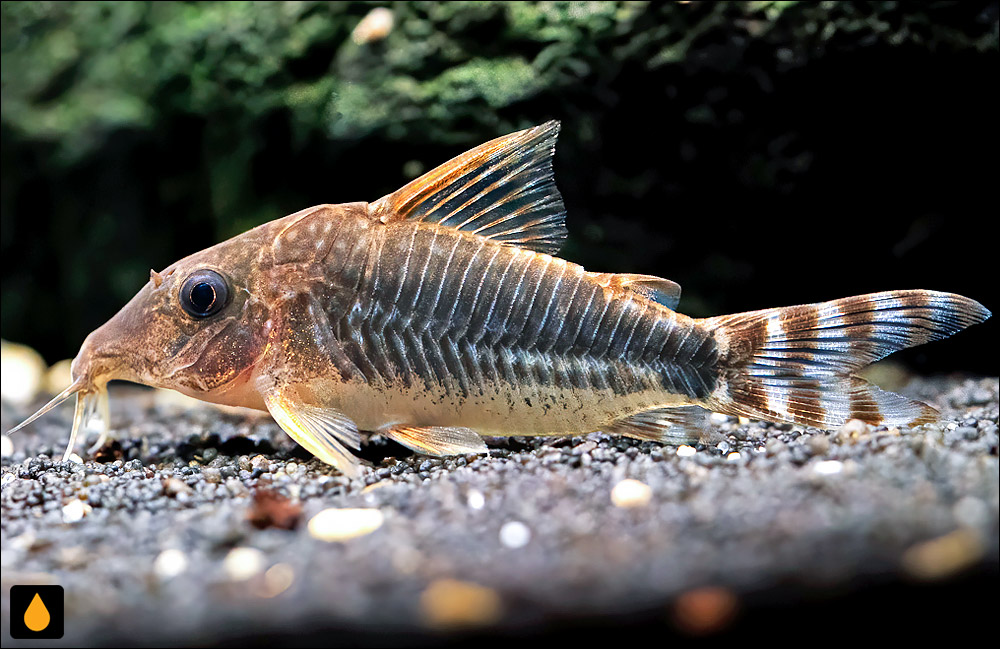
pixel 440 313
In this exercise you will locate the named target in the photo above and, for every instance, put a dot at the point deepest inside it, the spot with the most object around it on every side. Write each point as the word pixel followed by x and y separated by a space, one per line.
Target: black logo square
pixel 36 612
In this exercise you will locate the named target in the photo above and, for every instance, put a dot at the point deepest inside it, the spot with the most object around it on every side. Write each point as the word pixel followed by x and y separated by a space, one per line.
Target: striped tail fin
pixel 795 364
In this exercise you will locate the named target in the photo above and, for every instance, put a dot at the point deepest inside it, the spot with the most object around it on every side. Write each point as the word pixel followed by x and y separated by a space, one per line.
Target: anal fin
pixel 674 426
pixel 437 440
pixel 324 432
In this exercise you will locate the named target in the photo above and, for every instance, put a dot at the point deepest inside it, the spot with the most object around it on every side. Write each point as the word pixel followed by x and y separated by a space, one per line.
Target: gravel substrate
pixel 201 527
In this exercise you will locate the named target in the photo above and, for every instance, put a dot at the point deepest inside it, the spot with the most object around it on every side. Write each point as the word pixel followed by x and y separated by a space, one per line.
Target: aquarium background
pixel 759 153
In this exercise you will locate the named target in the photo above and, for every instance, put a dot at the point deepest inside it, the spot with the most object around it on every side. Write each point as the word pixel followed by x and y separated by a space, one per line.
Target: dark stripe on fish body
pixel 461 312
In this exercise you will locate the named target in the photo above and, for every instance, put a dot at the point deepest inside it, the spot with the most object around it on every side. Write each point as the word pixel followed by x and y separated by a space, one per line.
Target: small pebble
pixel 943 556
pixel 515 534
pixel 475 499
pixel 277 579
pixel 828 467
pixel 852 430
pixel 686 451
pixel 631 493
pixel 451 603
pixel 174 487
pixel 170 563
pixel 344 524
pixel 22 370
pixel 774 447
pixel 75 510
pixel 818 444
pixel 706 610
pixel 6 446
pixel 58 376
pixel 243 563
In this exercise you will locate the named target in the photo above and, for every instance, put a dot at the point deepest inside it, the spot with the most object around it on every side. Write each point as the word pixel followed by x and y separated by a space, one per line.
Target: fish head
pixel 197 327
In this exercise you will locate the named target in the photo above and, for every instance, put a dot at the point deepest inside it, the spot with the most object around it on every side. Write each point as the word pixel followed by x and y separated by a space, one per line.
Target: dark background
pixel 761 154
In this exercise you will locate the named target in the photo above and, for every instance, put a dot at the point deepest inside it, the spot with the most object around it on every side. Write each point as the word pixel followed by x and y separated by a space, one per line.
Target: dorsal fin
pixel 503 190
pixel 657 289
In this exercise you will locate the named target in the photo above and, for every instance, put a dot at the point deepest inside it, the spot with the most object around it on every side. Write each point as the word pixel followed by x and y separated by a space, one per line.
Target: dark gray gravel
pixel 797 516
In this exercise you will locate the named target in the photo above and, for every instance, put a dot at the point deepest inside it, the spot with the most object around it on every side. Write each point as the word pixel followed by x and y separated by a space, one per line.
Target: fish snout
pixel 107 355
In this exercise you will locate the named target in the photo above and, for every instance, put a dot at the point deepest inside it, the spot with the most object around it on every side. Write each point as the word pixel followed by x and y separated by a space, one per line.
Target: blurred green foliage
pixel 136 132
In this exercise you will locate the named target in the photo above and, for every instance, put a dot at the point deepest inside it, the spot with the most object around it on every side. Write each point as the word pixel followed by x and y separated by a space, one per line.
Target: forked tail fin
pixel 795 364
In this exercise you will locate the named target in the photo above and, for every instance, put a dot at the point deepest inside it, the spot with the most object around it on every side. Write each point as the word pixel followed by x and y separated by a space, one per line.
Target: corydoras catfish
pixel 440 313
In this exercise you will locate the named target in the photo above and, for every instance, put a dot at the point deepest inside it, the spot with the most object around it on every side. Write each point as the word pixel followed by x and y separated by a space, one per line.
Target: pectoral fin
pixel 673 426
pixel 437 440
pixel 324 432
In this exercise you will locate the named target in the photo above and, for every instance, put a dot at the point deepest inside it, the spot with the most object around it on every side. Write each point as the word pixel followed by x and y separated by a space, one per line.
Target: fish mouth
pixel 91 399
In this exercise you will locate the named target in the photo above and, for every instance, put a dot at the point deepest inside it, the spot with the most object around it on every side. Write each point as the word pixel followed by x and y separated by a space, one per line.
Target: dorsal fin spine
pixel 502 190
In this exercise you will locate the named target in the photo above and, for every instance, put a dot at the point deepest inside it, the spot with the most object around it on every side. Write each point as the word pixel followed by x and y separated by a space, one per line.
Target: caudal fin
pixel 796 364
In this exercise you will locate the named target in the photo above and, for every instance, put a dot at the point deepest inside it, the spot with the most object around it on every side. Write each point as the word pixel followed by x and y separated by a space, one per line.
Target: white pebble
pixel 686 451
pixel 733 457
pixel 631 493
pixel 344 524
pixel 21 372
pixel 75 510
pixel 475 499
pixel 277 580
pixel 243 563
pixel 170 563
pixel 829 467
pixel 515 534
pixel 6 446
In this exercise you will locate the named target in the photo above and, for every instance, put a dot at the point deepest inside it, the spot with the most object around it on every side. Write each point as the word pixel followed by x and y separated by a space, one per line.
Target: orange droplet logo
pixel 37 616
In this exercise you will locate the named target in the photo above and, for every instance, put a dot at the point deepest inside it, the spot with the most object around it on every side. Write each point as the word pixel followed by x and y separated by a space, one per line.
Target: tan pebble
pixel 631 493
pixel 344 524
pixel 818 444
pixel 277 579
pixel 451 603
pixel 375 26
pixel 73 557
pixel 174 486
pixel 705 610
pixel 852 430
pixel 58 376
pixel 22 370
pixel 943 556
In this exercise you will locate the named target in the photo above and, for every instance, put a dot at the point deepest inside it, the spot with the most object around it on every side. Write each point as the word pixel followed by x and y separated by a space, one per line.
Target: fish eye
pixel 204 293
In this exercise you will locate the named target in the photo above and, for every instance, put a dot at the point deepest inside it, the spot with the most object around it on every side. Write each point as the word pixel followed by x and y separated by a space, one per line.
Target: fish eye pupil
pixel 202 296
pixel 204 293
